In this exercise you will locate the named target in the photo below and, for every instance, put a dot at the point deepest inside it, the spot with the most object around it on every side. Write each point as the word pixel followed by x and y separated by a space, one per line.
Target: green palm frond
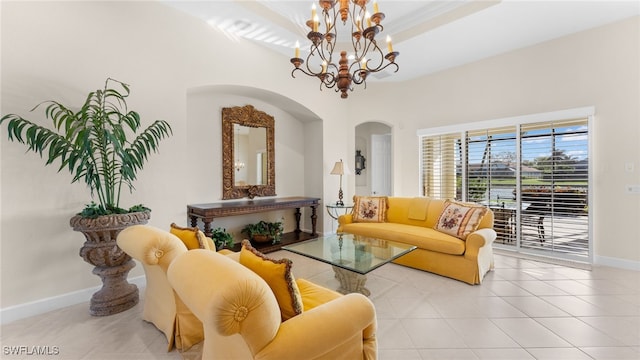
pixel 92 143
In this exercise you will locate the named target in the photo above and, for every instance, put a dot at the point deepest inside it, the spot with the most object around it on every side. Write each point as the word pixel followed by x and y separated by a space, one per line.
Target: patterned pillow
pixel 370 208
pixel 277 274
pixel 459 219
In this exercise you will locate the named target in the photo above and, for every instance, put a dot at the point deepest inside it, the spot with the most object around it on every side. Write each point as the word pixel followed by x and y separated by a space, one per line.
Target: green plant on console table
pixel 222 238
pixel 270 230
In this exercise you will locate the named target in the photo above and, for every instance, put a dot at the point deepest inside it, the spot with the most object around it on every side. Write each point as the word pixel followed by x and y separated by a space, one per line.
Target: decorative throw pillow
pixel 192 237
pixel 370 208
pixel 277 273
pixel 459 219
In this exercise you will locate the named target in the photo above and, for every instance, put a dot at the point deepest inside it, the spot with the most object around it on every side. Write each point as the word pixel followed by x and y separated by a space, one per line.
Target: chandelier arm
pixel 386 66
pixel 359 76
pixel 362 10
pixel 330 81
pixel 318 48
pixel 333 17
pixel 379 57
pixel 324 56
pixel 303 71
pixel 355 64
pixel 356 39
pixel 358 20
pixel 314 50
pixel 358 79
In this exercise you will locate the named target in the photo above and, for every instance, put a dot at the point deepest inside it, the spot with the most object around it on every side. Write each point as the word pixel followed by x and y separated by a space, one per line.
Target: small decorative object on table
pixel 264 231
pixel 222 238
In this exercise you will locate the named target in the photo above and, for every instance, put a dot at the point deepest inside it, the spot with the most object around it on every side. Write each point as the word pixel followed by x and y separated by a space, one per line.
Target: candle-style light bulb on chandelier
pixel 367 56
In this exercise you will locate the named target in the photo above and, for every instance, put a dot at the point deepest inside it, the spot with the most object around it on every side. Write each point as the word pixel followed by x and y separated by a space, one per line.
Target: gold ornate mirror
pixel 248 153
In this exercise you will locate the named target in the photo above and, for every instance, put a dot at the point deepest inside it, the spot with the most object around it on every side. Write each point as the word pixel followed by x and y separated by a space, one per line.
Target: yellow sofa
pixel 412 220
pixel 242 318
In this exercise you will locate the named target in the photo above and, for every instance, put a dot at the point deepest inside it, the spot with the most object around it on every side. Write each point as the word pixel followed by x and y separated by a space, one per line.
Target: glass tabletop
pixel 357 253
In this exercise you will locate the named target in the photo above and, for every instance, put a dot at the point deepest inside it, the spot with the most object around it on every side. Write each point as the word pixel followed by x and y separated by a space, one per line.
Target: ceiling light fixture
pixel 367 57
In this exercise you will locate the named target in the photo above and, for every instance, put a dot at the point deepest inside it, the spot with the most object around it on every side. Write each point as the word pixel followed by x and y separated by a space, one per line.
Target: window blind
pixel 554 201
pixel 533 174
pixel 441 166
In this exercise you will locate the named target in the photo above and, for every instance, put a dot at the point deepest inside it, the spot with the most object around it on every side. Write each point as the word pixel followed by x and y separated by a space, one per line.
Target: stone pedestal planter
pixel 111 263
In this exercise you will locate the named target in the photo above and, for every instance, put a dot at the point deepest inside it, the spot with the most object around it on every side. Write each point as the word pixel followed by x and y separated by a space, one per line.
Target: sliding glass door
pixel 534 175
pixel 555 216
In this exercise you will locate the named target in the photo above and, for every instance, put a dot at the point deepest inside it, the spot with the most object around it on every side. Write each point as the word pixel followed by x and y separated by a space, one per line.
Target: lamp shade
pixel 340 168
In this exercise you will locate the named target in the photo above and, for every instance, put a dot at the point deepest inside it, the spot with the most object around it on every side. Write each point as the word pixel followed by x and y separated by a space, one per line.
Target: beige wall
pixel 61 50
pixel 599 68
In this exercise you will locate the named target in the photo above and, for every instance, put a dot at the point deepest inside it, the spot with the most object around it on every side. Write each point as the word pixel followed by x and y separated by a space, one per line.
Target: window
pixel 532 171
pixel 554 199
pixel 441 166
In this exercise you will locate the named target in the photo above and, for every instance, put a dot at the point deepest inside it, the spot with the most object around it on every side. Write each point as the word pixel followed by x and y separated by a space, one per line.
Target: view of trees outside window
pixel 533 176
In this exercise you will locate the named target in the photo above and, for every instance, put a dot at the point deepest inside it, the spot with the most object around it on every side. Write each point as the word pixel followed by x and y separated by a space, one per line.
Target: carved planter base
pixel 111 263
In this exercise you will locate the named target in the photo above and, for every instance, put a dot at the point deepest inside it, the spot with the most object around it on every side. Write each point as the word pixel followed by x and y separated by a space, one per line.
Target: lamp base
pixel 340 202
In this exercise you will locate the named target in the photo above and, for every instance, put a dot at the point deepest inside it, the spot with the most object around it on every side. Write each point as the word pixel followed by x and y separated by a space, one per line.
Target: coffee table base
pixel 351 282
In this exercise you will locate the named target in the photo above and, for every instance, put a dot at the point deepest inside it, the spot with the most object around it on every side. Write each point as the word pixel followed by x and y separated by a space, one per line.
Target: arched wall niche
pixel 298 145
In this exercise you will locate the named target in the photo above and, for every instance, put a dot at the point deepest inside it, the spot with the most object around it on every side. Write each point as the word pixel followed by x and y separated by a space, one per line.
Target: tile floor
pixel 524 310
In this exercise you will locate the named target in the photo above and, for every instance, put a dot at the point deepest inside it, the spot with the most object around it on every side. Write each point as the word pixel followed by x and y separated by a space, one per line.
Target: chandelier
pixel 238 165
pixel 367 56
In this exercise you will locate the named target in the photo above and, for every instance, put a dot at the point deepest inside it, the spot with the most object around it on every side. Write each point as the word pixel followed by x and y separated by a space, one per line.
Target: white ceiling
pixel 430 35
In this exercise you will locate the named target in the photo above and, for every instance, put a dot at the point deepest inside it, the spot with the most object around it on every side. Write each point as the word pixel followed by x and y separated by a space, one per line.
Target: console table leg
pixel 298 215
pixel 194 221
pixel 314 220
pixel 207 228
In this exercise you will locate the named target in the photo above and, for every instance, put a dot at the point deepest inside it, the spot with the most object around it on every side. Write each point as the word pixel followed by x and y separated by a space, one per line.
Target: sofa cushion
pixel 422 237
pixel 370 208
pixel 192 237
pixel 418 208
pixel 459 219
pixel 277 274
pixel 314 295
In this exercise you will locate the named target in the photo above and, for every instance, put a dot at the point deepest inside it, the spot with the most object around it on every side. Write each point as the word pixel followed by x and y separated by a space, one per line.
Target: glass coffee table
pixel 352 256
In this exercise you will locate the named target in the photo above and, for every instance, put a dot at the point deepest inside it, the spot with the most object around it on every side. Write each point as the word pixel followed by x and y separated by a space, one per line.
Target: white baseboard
pixel 21 311
pixel 617 263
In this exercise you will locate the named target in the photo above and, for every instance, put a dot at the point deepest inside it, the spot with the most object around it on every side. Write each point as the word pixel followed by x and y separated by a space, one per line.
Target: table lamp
pixel 340 168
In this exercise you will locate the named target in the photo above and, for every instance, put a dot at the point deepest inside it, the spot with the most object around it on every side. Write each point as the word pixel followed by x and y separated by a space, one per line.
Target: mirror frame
pixel 246 116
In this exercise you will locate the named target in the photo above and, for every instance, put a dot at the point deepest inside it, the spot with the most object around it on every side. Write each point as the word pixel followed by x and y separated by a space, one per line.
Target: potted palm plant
pixel 101 145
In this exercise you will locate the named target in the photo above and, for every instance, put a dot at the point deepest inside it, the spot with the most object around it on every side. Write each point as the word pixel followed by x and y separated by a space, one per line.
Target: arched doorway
pixel 373 142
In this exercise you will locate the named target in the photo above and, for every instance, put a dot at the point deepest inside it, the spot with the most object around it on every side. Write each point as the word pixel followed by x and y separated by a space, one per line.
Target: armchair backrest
pixel 230 300
pixel 150 245
pixel 156 249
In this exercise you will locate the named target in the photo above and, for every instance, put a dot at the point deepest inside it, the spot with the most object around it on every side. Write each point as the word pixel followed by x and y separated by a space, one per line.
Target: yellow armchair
pixel 242 318
pixel 155 249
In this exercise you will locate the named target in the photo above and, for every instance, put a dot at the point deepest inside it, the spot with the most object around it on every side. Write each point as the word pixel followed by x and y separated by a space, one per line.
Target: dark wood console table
pixel 208 212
